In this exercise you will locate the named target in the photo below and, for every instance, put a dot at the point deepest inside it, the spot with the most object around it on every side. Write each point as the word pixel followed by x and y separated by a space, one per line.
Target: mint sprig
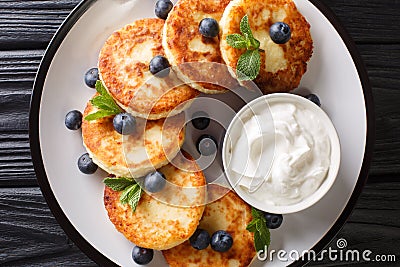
pixel 258 226
pixel 104 102
pixel 131 191
pixel 249 63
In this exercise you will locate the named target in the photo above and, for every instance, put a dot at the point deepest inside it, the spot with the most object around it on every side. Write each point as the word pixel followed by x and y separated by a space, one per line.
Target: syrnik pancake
pixel 124 69
pixel 192 53
pixel 156 224
pixel 229 213
pixel 149 147
pixel 282 65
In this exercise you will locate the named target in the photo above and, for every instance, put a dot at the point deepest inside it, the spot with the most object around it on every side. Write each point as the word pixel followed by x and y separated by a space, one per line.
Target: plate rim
pixel 61 217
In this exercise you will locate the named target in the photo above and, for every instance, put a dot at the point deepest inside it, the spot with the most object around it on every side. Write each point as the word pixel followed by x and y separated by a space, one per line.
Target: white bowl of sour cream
pixel 281 153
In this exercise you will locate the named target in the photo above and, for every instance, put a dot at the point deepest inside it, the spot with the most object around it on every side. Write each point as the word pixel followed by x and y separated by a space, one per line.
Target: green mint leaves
pixel 249 63
pixel 258 226
pixel 104 102
pixel 118 184
pixel 237 41
pixel 131 195
pixel 131 191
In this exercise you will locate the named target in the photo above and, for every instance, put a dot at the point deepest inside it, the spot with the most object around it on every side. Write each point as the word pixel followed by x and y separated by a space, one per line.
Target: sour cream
pixel 281 154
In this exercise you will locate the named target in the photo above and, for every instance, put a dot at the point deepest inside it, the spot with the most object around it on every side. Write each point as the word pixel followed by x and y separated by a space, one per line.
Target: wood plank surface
pixel 29 234
pixel 31 24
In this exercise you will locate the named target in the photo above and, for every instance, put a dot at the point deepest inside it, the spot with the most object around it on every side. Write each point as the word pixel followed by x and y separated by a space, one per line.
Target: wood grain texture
pixel 383 66
pixel 371 21
pixel 374 225
pixel 31 24
pixel 28 231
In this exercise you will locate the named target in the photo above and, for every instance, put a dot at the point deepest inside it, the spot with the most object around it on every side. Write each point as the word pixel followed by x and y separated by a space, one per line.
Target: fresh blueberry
pixel 200 239
pixel 73 120
pixel 200 120
pixel 86 164
pixel 142 256
pixel 91 77
pixel 163 7
pixel 159 66
pixel 124 123
pixel 273 220
pixel 154 182
pixel 207 145
pixel 209 27
pixel 221 241
pixel 280 32
pixel 314 98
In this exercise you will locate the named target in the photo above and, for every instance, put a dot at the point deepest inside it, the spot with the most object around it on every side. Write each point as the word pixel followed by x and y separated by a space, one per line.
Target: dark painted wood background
pixel 29 234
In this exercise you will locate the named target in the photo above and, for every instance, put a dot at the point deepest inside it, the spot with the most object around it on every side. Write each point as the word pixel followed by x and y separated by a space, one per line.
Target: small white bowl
pixel 334 162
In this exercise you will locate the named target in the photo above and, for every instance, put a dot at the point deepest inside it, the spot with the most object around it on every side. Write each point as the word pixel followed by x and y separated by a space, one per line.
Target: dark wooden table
pixel 29 234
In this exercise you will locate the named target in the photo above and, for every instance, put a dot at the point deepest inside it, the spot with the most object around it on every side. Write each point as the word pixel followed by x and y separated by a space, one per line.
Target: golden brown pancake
pixel 183 43
pixel 155 224
pixel 229 213
pixel 135 155
pixel 282 65
pixel 124 69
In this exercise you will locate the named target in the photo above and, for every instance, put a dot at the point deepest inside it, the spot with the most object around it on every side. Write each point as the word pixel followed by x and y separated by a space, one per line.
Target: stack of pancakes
pixel 199 64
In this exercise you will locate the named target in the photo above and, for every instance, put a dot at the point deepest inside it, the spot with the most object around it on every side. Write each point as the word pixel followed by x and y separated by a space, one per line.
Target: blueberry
pixel 273 220
pixel 154 182
pixel 163 7
pixel 159 66
pixel 221 241
pixel 91 77
pixel 200 239
pixel 73 120
pixel 124 123
pixel 86 164
pixel 209 27
pixel 200 120
pixel 280 32
pixel 207 145
pixel 314 98
pixel 141 255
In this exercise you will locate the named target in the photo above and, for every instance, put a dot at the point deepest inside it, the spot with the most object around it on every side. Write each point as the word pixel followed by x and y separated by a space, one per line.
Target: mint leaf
pixel 236 41
pixel 104 102
pixel 258 226
pixel 251 227
pixel 118 184
pixel 131 196
pixel 99 114
pixel 264 238
pixel 106 97
pixel 100 88
pixel 255 43
pixel 256 213
pixel 245 28
pixel 131 191
pixel 248 65
pixel 124 198
pixel 258 243
pixel 134 197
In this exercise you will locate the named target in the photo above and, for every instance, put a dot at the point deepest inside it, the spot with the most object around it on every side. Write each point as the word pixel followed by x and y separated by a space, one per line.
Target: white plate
pixel 335 73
